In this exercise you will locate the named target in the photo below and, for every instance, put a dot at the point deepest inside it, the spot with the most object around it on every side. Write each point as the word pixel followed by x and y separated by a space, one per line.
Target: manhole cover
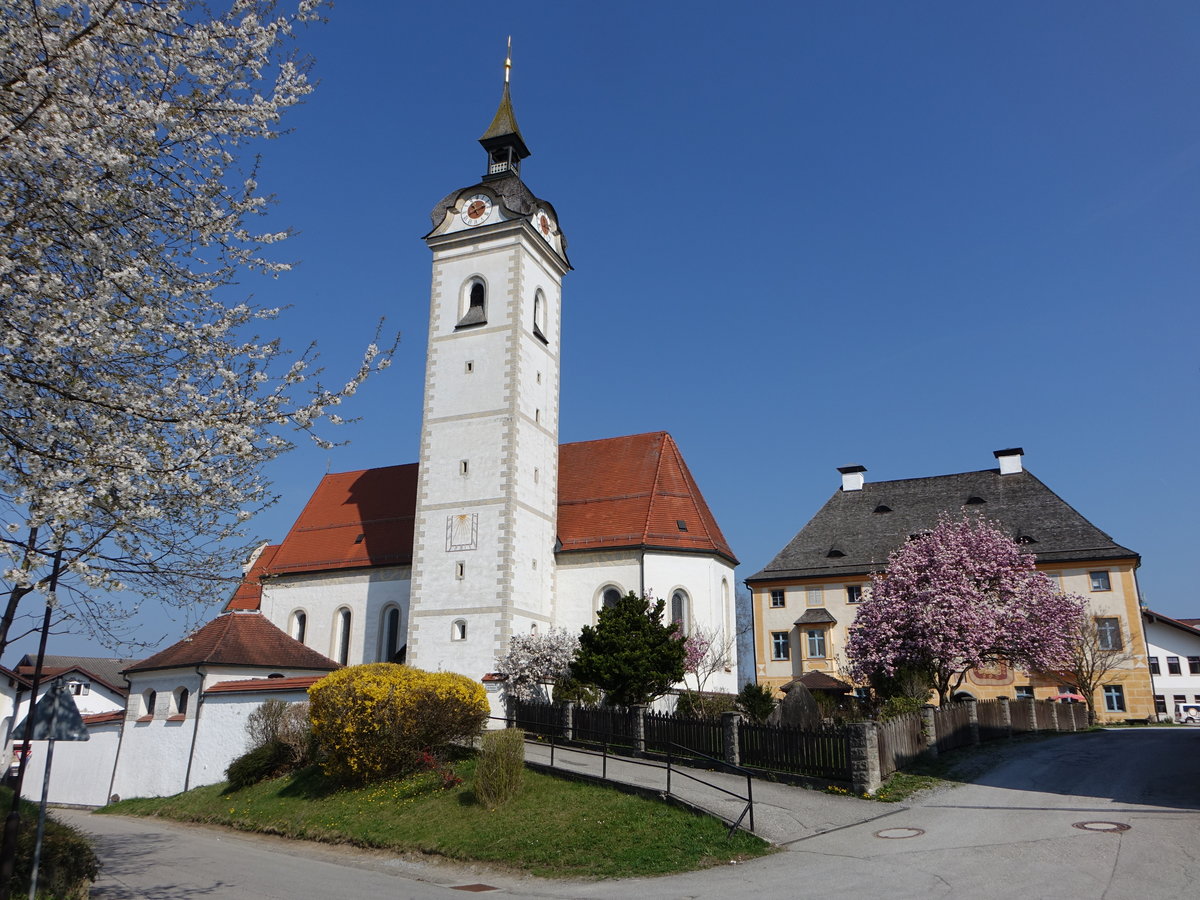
pixel 899 833
pixel 1111 827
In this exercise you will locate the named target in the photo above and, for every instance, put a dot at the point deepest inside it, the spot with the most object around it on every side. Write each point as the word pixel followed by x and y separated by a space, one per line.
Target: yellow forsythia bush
pixel 378 720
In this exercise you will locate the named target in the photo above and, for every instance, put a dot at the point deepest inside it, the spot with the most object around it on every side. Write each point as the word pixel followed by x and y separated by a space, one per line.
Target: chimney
pixel 852 477
pixel 1010 460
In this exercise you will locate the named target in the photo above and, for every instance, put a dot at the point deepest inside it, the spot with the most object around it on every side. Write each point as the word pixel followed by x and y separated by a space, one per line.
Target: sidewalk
pixel 783 813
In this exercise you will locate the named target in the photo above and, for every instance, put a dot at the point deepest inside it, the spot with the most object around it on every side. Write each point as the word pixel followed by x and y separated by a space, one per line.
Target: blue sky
pixel 805 235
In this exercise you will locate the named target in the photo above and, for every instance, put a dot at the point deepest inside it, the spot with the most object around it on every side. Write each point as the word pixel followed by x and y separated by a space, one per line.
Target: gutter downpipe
pixel 187 778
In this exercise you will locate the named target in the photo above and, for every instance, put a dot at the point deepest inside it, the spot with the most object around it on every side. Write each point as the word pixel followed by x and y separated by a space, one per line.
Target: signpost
pixel 54 718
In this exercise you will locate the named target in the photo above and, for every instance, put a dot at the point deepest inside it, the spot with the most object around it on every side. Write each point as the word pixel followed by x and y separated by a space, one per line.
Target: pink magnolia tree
pixel 961 596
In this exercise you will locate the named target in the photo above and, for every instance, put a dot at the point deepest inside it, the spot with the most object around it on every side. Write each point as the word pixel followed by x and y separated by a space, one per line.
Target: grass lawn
pixel 554 828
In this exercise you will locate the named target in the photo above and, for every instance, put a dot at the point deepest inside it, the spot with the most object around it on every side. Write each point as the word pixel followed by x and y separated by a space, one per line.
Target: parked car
pixel 1187 712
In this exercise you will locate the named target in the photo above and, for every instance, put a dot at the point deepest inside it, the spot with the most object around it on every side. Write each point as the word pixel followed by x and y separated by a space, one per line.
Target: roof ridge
pixel 654 488
pixel 694 492
pixel 617 437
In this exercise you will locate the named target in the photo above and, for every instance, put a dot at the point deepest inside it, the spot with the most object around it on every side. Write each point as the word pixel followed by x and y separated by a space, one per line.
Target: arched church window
pixel 149 699
pixel 342 635
pixel 181 701
pixel 473 309
pixel 458 630
pixel 610 596
pixel 392 638
pixel 299 625
pixel 679 610
pixel 539 315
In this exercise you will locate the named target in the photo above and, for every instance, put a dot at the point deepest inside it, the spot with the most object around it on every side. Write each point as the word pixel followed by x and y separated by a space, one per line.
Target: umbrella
pixel 1077 698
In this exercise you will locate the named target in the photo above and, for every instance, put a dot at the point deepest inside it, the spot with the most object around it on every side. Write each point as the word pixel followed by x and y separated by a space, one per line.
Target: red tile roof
pixel 624 492
pixel 353 519
pixel 254 685
pixel 633 492
pixel 249 591
pixel 117 715
pixel 237 639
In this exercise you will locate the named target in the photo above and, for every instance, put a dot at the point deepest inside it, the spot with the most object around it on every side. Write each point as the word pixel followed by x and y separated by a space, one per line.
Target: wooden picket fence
pixel 676 734
pixel 823 753
pixel 901 741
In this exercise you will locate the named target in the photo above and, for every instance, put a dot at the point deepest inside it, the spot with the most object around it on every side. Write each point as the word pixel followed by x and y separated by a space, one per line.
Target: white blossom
pixel 137 413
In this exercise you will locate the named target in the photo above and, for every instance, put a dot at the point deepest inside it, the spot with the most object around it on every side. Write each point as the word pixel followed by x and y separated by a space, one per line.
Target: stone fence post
pixel 865 775
pixel 1033 722
pixel 1054 717
pixel 730 722
pixel 1006 717
pixel 568 721
pixel 929 729
pixel 973 719
pixel 638 712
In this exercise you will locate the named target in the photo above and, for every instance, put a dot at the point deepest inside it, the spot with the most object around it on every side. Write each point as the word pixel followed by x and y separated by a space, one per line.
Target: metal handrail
pixel 670 767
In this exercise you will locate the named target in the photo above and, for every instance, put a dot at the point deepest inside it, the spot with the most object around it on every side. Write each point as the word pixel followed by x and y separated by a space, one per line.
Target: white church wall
pixel 367 593
pixel 81 770
pixel 582 578
pixel 221 737
pixel 152 761
pixel 708 583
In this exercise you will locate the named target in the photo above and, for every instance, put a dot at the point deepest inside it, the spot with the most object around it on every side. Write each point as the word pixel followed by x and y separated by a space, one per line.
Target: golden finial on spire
pixel 508 60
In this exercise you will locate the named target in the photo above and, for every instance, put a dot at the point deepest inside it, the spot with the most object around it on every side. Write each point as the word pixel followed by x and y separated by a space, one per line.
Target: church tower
pixel 487 497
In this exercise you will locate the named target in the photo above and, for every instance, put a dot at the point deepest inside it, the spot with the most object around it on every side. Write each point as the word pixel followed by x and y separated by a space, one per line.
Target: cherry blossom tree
pixel 960 596
pixel 534 661
pixel 706 652
pixel 137 406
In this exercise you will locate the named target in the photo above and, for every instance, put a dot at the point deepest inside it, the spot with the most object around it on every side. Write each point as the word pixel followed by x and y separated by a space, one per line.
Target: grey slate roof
pixel 860 538
pixel 816 617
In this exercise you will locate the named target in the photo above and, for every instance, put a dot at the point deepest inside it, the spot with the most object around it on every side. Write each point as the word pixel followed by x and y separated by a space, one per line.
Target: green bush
pixel 894 707
pixel 705 705
pixel 381 719
pixel 68 866
pixel 286 723
pixel 263 762
pixel 500 768
pixel 756 702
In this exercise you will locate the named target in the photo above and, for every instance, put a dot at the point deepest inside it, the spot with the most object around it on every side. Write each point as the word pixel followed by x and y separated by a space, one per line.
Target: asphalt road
pixel 1014 831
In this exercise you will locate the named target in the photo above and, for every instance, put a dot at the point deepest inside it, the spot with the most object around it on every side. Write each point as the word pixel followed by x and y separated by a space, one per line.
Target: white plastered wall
pixel 79 774
pixel 1164 641
pixel 367 593
pixel 222 735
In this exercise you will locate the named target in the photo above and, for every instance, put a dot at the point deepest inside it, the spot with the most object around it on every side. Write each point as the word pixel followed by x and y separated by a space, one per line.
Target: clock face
pixel 544 224
pixel 476 209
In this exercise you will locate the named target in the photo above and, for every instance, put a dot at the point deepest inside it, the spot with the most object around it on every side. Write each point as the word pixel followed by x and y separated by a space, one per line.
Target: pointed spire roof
pixel 504 125
pixel 504 134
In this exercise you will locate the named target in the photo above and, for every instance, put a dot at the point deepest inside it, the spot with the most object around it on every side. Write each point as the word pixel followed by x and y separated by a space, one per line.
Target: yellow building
pixel 806 598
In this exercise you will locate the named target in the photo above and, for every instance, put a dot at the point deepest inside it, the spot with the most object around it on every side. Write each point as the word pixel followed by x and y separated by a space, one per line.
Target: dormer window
pixel 883 508
pixel 974 500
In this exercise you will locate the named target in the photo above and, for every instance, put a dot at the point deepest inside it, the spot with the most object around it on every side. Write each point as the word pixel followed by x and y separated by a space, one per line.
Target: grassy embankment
pixel 553 828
